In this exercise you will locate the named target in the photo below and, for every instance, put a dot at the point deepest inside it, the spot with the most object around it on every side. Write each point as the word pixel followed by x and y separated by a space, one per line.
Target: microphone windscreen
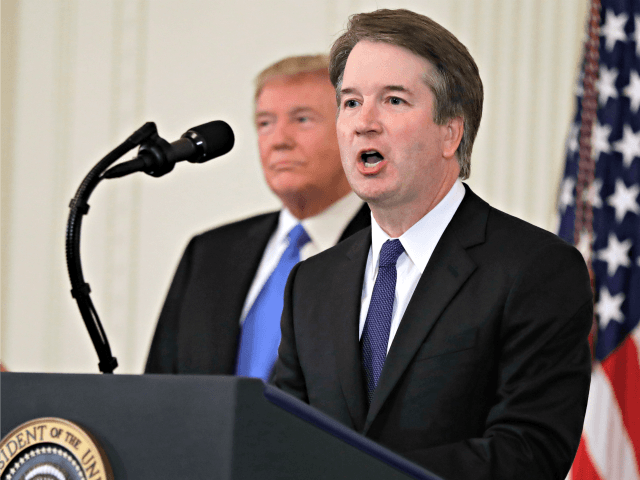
pixel 217 138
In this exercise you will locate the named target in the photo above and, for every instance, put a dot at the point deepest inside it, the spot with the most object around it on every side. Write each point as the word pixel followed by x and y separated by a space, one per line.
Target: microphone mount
pixel 156 154
pixel 80 289
pixel 156 157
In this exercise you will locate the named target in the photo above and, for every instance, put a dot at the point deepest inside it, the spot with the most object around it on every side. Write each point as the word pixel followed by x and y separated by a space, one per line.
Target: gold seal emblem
pixel 52 449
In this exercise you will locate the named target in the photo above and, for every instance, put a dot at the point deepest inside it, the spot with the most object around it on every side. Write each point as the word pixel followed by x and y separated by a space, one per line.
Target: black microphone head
pixel 212 140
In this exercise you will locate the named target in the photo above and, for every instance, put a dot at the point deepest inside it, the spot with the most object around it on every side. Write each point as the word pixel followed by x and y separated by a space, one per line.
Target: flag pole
pixel 583 227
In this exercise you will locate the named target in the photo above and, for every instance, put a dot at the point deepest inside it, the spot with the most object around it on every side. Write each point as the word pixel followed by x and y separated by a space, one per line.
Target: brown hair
pixel 454 78
pixel 291 66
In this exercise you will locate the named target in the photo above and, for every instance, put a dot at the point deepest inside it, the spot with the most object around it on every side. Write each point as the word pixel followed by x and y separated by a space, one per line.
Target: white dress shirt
pixel 324 230
pixel 418 242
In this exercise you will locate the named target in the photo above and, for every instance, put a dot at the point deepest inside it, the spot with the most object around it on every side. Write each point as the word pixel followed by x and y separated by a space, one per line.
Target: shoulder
pixel 263 224
pixel 479 225
pixel 503 228
pixel 530 253
pixel 506 248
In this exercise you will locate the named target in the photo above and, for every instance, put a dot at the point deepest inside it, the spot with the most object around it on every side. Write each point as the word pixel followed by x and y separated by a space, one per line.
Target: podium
pixel 192 427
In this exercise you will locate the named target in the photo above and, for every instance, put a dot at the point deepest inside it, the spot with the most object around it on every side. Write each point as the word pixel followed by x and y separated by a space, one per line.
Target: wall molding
pixel 9 45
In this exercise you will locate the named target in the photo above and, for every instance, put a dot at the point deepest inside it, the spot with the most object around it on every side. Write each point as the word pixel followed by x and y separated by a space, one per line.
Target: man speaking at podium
pixel 222 312
pixel 450 332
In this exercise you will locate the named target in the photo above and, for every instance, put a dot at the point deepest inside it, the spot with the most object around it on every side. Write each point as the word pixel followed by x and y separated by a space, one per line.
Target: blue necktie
pixel 260 336
pixel 375 336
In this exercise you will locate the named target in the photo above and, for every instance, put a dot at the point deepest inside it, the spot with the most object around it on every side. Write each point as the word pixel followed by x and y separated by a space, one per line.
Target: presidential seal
pixel 52 449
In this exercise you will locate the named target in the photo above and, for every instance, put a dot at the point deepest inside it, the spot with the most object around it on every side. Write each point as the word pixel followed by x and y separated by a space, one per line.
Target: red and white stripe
pixel 610 445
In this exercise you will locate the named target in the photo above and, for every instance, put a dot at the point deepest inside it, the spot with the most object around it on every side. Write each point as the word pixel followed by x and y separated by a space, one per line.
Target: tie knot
pixel 389 253
pixel 298 237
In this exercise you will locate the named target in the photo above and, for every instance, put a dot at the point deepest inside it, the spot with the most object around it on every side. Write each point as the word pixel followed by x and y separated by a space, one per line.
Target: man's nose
pixel 283 137
pixel 368 119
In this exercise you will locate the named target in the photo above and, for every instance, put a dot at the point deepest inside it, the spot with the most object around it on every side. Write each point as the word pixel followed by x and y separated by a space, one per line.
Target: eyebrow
pixel 302 109
pixel 345 91
pixel 397 88
pixel 387 88
pixel 264 114
pixel 294 111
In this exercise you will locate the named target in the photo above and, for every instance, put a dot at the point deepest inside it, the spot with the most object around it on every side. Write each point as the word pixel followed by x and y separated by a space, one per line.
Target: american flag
pixel 599 207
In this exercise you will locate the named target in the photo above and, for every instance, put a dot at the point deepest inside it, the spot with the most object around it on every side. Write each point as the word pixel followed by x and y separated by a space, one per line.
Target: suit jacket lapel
pixel 248 260
pixel 350 275
pixel 447 270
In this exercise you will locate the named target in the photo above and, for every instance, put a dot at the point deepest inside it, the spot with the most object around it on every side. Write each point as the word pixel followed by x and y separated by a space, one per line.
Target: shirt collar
pixel 421 239
pixel 286 222
pixel 323 229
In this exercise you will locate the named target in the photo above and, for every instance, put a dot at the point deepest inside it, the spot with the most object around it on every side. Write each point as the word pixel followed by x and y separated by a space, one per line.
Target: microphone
pixel 156 157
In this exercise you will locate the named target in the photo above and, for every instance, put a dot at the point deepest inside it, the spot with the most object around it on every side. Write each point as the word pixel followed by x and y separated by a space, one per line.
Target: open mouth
pixel 371 158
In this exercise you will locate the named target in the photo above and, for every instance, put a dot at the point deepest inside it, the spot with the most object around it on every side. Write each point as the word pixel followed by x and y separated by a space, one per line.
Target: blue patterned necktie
pixel 260 336
pixel 375 336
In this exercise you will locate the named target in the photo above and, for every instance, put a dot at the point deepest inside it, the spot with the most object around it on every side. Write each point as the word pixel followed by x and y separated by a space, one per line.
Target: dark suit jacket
pixel 200 321
pixel 488 374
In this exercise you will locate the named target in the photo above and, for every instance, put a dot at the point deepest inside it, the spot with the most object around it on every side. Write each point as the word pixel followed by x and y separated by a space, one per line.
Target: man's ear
pixel 453 136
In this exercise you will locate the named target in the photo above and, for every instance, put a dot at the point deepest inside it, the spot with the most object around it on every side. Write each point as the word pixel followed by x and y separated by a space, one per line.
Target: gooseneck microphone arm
pixel 156 157
pixel 79 288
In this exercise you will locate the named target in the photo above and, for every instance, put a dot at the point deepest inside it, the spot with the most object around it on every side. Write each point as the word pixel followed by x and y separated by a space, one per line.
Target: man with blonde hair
pixel 449 331
pixel 222 312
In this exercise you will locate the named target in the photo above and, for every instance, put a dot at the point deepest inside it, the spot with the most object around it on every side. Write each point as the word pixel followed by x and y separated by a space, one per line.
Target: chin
pixel 288 190
pixel 286 184
pixel 369 189
pixel 369 197
pixel 376 197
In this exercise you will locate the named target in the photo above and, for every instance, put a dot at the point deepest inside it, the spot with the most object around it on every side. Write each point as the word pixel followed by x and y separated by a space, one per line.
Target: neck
pixel 397 219
pixel 309 204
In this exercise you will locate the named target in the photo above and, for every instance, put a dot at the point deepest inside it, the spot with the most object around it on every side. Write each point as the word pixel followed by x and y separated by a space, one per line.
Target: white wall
pixel 79 76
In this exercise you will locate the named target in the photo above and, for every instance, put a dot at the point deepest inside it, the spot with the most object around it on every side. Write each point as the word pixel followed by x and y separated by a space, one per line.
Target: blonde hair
pixel 291 66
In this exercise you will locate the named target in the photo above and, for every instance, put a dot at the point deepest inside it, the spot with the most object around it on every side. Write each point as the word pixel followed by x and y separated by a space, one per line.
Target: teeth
pixel 371 155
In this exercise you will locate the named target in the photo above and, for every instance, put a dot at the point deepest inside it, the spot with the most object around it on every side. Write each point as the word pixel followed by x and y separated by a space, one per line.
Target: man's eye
pixel 396 101
pixel 302 119
pixel 351 103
